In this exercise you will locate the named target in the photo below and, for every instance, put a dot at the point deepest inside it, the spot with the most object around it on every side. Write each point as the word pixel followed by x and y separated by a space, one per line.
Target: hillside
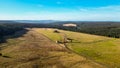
pixel 35 50
pixel 103 50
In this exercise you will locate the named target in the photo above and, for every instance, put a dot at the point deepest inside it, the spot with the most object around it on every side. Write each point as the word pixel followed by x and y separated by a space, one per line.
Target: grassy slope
pixel 101 49
pixel 34 50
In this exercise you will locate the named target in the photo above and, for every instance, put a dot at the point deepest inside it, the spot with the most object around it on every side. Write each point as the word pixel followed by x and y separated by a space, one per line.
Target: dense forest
pixel 10 27
pixel 110 29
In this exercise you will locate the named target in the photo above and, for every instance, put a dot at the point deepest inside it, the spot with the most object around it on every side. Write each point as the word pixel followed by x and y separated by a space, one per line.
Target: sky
pixel 75 10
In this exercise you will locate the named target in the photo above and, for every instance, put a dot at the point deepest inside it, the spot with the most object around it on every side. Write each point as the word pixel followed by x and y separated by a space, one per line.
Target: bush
pixel 0 54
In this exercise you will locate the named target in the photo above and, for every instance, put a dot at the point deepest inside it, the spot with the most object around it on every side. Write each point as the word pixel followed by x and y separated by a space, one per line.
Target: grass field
pixel 34 50
pixel 100 49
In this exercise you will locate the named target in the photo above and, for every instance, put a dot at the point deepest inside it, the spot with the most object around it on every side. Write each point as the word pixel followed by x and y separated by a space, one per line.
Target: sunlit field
pixel 35 50
pixel 103 50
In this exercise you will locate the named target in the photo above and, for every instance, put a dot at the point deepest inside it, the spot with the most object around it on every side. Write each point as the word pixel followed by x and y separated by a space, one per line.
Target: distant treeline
pixel 110 29
pixel 10 27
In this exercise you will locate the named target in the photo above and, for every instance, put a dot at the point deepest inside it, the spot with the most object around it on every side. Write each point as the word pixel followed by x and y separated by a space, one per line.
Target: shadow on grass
pixel 5 56
pixel 17 34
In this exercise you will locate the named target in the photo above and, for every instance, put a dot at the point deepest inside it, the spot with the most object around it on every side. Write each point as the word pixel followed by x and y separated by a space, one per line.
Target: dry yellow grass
pixel 34 50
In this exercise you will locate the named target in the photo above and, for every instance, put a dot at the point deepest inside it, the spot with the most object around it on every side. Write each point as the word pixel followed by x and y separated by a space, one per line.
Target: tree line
pixel 109 29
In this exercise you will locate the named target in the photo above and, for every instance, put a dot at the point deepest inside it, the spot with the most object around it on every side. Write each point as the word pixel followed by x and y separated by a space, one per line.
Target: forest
pixel 109 29
pixel 10 27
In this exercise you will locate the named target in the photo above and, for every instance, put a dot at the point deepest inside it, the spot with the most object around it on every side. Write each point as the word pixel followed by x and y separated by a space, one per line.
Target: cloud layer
pixel 105 13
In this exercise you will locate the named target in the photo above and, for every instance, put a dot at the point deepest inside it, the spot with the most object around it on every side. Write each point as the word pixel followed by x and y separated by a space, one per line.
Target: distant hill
pixel 7 21
pixel 55 21
pixel 35 21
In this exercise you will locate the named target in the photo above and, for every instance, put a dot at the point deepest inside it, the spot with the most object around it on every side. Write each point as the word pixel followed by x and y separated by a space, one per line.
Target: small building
pixel 70 25
pixel 56 31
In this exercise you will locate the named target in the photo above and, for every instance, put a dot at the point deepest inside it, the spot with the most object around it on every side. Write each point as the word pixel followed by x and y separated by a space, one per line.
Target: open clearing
pixel 34 50
pixel 103 50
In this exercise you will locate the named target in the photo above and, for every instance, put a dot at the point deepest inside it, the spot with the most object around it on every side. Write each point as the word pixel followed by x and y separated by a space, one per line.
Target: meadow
pixel 103 50
pixel 36 50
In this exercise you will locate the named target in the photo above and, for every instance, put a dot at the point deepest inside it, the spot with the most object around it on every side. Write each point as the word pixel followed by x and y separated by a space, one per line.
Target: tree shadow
pixel 74 42
pixel 17 34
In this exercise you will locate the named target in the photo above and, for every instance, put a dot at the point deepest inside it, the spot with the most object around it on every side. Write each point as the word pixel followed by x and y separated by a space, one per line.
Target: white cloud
pixel 110 7
pixel 65 16
pixel 105 13
pixel 107 8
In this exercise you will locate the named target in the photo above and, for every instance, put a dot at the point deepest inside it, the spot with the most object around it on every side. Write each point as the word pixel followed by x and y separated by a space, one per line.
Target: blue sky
pixel 82 10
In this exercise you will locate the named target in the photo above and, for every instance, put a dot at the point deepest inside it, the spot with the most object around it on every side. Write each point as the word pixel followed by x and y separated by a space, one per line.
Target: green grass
pixel 101 49
pixel 51 34
pixel 104 52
